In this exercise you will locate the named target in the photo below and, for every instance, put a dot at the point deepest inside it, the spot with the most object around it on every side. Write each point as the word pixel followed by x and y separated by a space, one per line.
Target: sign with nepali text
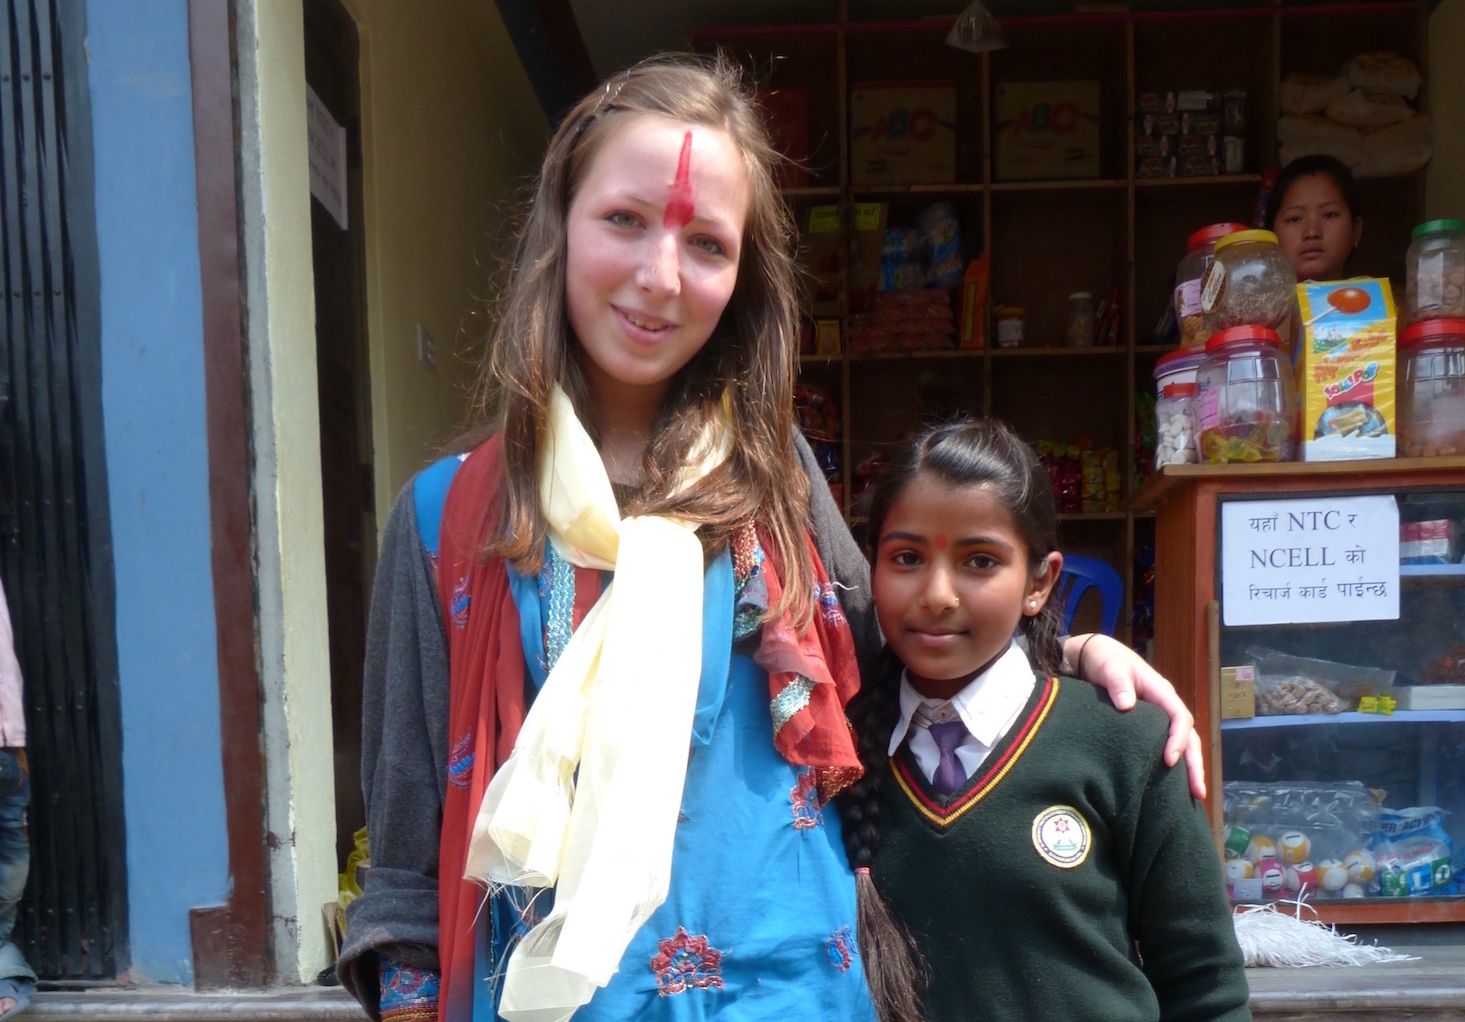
pixel 1314 559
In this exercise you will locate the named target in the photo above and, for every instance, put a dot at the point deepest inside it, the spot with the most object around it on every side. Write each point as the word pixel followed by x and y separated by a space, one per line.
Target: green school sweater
pixel 1030 888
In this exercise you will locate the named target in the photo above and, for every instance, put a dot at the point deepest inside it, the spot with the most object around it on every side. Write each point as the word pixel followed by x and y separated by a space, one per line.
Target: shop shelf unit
pixel 1407 757
pixel 1047 238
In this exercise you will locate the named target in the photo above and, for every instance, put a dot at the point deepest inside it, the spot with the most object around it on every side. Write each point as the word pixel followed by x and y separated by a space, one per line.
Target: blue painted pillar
pixel 158 474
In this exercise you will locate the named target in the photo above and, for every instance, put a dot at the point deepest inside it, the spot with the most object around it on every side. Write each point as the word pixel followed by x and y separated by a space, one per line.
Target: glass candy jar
pixel 1175 425
pixel 1250 283
pixel 1246 405
pixel 1177 367
pixel 1434 271
pixel 1080 329
pixel 1432 389
pixel 1200 252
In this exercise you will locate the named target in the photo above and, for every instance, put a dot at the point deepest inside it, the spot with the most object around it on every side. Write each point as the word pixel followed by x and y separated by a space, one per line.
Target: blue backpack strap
pixel 429 495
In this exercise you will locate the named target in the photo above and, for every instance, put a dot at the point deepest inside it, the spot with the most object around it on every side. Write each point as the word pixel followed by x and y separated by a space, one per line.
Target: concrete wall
pixel 450 133
pixel 1445 179
pixel 157 465
pixel 294 653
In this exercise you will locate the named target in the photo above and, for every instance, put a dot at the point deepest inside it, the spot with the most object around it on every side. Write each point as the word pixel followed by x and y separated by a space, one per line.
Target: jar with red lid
pixel 1175 425
pixel 1246 404
pixel 1178 366
pixel 1432 388
pixel 1200 252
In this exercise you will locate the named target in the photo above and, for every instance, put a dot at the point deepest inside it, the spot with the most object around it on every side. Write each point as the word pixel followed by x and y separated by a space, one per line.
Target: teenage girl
pixel 1043 858
pixel 527 720
pixel 1313 208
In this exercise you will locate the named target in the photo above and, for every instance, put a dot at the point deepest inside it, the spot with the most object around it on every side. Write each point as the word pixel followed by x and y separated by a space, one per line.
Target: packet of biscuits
pixel 1346 364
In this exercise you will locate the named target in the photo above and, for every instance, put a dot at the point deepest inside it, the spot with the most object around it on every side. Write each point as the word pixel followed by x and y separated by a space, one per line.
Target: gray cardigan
pixel 405 732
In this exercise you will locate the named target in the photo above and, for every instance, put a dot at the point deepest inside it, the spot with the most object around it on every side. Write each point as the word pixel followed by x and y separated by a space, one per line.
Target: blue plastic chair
pixel 1079 575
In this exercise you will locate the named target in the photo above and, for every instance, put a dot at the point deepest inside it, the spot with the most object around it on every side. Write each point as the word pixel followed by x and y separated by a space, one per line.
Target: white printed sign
pixel 1309 560
pixel 326 143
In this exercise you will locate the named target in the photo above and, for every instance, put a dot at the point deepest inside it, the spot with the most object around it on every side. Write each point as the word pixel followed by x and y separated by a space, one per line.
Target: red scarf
pixel 487 701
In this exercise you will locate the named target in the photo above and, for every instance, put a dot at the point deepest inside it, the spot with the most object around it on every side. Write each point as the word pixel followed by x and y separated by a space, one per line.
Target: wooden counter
pixel 1186 500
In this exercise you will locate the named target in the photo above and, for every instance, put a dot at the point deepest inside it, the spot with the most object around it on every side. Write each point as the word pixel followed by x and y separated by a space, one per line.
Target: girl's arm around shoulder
pixel 403 762
pixel 1124 674
pixel 1179 914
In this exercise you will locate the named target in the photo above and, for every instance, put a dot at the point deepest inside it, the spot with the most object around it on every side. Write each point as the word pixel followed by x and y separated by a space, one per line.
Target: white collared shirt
pixel 988 705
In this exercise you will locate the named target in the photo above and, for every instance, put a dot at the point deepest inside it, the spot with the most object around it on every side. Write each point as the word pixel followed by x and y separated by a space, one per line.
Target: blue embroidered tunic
pixel 760 917
pixel 758 869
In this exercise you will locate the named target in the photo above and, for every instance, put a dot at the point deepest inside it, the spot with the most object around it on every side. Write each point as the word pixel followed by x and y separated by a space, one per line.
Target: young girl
pixel 1044 860
pixel 1313 208
pixel 527 720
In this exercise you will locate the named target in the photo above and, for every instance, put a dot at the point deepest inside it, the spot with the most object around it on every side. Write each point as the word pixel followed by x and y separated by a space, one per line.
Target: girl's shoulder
pixel 1088 709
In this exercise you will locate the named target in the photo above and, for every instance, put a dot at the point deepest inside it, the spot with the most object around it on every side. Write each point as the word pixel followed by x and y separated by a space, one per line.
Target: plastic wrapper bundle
pixel 901 265
pixel 1296 684
pixel 1364 116
pixel 1414 853
pixel 1299 838
pixel 1302 92
pixel 905 321
pixel 942 233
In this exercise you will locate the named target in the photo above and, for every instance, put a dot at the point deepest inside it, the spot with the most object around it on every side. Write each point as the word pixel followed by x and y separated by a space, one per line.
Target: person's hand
pixel 1126 676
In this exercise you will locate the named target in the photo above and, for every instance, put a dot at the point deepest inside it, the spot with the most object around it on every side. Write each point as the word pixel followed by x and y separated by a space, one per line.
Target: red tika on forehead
pixel 940 542
pixel 679 208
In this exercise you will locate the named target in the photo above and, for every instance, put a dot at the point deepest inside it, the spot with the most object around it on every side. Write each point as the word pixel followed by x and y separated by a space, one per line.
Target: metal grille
pixel 55 550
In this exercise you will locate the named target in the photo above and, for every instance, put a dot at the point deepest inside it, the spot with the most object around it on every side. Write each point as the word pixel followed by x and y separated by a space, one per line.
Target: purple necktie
pixel 949 774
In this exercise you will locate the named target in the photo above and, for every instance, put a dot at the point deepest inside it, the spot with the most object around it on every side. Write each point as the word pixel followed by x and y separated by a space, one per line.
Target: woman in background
pixel 1315 213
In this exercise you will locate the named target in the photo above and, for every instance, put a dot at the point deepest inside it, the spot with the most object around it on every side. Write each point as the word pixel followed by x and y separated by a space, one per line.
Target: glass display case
pixel 1313 615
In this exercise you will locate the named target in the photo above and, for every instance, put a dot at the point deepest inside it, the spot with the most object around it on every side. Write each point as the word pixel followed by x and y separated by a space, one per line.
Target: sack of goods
pixel 1364 116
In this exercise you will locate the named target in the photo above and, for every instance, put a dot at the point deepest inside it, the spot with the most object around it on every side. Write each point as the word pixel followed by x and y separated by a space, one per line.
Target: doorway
pixel 338 257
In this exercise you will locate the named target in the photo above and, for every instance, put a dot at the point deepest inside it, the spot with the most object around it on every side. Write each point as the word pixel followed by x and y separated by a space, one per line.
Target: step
pixel 1431 989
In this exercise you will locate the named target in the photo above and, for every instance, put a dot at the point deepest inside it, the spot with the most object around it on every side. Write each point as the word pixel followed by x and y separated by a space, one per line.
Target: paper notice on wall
pixel 1313 559
pixel 327 151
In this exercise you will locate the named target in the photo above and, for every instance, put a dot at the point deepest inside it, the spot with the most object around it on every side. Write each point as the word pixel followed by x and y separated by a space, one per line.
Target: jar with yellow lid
pixel 1250 283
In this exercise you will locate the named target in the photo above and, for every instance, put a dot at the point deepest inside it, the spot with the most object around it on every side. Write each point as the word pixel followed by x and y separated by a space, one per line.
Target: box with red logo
pixel 1047 130
pixel 903 133
pixel 1345 363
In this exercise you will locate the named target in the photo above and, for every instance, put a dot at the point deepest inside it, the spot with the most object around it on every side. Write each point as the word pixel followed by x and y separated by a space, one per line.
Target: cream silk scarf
pixel 617 707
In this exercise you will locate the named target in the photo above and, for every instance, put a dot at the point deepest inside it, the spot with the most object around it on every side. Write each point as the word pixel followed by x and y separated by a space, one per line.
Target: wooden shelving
pixel 1049 238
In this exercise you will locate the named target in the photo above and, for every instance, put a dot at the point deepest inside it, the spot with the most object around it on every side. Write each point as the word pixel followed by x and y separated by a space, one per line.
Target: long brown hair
pixel 751 355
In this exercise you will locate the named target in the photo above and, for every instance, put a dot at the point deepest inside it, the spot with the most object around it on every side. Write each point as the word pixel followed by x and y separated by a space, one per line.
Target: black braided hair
pixel 965 452
pixel 893 966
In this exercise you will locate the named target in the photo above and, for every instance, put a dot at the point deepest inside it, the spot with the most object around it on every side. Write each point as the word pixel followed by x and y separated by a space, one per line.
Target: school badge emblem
pixel 1061 836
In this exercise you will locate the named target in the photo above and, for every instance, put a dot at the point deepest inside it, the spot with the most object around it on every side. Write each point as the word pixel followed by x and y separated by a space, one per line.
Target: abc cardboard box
pixel 1047 130
pixel 903 133
pixel 1345 359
